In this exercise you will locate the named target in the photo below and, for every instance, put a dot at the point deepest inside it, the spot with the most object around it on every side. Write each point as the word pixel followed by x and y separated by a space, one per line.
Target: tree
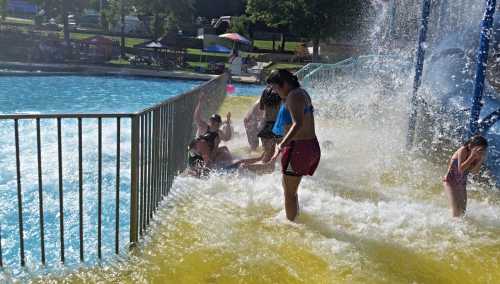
pixel 61 8
pixel 116 12
pixel 217 8
pixel 312 19
pixel 3 9
pixel 241 25
pixel 321 19
pixel 276 14
pixel 173 13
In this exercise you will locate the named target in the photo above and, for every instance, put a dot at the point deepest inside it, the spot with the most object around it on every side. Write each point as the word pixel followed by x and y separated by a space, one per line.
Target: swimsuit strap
pixel 309 109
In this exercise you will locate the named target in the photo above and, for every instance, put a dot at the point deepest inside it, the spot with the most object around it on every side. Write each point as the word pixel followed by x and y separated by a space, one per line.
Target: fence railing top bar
pixel 179 96
pixel 103 115
pixel 65 115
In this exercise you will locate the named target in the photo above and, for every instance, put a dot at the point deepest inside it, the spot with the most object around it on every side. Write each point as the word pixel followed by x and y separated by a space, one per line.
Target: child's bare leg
pixel 223 156
pixel 454 199
pixel 291 186
pixel 463 198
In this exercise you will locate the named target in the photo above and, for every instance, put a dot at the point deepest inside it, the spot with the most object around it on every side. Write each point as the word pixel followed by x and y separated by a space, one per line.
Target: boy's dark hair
pixel 280 76
pixel 477 141
pixel 216 118
pixel 270 98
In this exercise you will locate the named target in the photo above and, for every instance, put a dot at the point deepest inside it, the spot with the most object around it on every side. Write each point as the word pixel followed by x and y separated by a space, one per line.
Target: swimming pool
pixel 69 94
pixel 89 94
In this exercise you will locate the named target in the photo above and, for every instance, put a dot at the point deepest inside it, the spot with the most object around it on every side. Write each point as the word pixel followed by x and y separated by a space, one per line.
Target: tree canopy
pixel 3 9
pixel 172 13
pixel 312 19
pixel 55 8
pixel 217 8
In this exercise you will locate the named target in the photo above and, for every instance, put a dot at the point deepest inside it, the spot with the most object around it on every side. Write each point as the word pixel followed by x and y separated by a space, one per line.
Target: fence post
pixel 134 182
pixel 419 67
pixel 482 60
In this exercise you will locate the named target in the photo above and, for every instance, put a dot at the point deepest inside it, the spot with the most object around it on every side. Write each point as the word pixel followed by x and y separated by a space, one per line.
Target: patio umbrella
pixel 235 37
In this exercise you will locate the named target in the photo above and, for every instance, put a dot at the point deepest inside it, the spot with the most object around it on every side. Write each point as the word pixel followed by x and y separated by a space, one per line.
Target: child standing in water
pixel 467 159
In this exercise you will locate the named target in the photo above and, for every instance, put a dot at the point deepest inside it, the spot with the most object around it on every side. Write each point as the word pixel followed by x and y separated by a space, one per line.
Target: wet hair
pixel 192 144
pixel 282 76
pixel 195 141
pixel 216 118
pixel 269 98
pixel 477 141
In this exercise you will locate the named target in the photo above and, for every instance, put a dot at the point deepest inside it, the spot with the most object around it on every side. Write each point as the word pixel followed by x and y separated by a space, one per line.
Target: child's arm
pixel 465 163
pixel 252 160
pixel 226 133
pixel 202 125
pixel 476 167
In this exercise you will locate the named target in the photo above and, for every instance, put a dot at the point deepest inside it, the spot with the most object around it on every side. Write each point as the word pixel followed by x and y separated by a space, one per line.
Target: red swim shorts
pixel 301 157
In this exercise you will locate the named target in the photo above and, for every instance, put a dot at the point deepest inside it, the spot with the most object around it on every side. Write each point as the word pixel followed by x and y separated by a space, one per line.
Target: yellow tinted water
pixel 372 214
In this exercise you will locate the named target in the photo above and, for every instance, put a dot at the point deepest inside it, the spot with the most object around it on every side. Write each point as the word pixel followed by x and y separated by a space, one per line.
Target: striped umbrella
pixel 236 38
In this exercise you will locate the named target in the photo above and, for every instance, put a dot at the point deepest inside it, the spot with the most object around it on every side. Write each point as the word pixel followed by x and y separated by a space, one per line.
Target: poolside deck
pixel 59 69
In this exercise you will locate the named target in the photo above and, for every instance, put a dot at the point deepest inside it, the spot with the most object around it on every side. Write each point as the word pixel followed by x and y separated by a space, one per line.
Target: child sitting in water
pixel 467 159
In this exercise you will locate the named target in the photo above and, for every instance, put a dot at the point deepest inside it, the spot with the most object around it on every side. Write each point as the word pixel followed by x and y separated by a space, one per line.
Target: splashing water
pixel 371 214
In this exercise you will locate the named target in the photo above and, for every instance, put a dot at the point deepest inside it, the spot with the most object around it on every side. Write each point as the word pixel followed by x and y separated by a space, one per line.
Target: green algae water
pixel 371 214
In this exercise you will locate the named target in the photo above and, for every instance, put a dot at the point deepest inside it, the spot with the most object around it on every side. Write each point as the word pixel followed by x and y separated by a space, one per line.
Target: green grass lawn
pixel 119 61
pixel 129 41
pixel 289 66
pixel 268 44
pixel 19 21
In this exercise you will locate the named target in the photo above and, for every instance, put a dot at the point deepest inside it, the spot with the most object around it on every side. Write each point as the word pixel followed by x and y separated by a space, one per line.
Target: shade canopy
pixel 217 48
pixel 155 44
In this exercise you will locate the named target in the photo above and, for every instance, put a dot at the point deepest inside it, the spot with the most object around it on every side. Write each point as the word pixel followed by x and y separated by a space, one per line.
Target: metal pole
pixel 19 195
pixel 117 206
pixel 134 182
pixel 482 60
pixel 61 191
pixel 80 186
pixel 419 67
pixel 40 191
pixel 99 187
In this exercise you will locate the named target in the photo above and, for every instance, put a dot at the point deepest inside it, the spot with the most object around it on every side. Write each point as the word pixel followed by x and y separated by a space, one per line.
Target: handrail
pixel 323 71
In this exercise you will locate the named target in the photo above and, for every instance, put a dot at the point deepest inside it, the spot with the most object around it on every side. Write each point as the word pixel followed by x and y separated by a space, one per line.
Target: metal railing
pixel 159 137
pixel 316 74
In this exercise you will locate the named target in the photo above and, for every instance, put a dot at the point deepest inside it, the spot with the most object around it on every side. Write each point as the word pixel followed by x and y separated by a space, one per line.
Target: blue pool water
pixel 92 94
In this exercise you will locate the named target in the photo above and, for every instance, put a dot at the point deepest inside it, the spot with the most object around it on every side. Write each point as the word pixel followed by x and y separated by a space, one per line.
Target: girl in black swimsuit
pixel 270 103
